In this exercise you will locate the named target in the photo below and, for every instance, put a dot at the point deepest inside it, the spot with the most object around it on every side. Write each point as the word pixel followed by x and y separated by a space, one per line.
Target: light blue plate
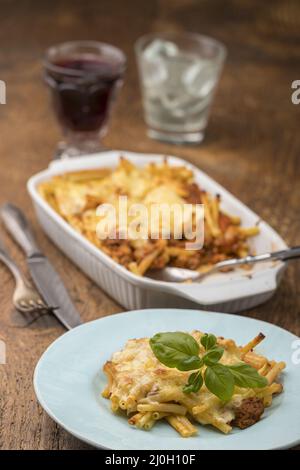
pixel 68 380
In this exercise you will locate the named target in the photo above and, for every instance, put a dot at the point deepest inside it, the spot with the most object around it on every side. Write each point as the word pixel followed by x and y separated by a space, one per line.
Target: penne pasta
pixel 252 344
pixel 275 371
pixel 159 415
pixel 114 400
pixel 163 407
pixel 255 360
pixel 264 369
pixel 209 219
pixel 144 419
pixel 167 394
pixel 148 391
pixel 249 232
pixel 76 196
pixel 199 409
pixel 135 418
pixel 208 418
pixel 272 389
pixel 182 425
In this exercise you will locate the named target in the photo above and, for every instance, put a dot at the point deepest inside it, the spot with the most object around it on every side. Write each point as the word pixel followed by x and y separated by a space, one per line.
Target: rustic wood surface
pixel 252 147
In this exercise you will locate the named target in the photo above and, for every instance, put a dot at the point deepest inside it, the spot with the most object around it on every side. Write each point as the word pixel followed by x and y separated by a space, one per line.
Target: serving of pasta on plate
pixel 187 379
pixel 75 196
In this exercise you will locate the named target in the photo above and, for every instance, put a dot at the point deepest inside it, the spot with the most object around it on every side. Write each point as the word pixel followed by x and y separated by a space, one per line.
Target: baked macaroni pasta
pixel 76 196
pixel 147 391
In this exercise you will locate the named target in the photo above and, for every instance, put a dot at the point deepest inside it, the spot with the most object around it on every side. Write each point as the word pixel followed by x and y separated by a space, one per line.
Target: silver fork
pixel 25 298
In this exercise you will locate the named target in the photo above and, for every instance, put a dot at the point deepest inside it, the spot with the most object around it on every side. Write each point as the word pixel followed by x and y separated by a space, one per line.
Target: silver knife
pixel 46 279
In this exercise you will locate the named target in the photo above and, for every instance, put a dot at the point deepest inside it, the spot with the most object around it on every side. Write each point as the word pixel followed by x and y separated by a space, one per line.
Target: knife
pixel 46 279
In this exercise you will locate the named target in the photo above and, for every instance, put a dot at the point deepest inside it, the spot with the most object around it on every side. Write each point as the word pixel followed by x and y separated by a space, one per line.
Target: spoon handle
pixel 283 255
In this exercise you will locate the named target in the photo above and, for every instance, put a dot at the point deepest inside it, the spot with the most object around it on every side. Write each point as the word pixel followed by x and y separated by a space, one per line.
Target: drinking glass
pixel 83 77
pixel 179 73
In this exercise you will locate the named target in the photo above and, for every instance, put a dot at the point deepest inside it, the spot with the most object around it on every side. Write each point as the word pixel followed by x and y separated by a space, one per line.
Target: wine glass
pixel 83 77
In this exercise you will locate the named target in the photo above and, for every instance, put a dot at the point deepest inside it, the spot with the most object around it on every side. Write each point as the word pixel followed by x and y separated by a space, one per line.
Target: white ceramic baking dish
pixel 230 292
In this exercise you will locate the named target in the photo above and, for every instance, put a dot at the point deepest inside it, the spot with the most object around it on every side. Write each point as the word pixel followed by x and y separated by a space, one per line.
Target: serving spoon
pixel 173 274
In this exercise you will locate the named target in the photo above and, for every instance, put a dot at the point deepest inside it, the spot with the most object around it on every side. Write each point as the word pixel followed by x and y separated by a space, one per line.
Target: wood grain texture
pixel 252 147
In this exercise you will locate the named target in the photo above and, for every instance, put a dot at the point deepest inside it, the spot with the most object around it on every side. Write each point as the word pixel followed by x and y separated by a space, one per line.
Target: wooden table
pixel 252 147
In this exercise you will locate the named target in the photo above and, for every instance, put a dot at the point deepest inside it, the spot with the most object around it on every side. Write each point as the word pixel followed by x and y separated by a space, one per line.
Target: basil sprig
pixel 181 351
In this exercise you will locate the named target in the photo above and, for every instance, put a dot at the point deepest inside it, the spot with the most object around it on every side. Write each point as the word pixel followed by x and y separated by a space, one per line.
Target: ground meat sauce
pixel 248 413
pixel 193 194
pixel 224 221
pixel 119 250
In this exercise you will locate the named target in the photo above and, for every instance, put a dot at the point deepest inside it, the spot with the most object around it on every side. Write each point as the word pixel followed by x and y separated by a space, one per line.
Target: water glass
pixel 179 73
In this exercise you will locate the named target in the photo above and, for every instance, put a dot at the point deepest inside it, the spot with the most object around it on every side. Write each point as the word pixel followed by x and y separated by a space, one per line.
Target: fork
pixel 25 298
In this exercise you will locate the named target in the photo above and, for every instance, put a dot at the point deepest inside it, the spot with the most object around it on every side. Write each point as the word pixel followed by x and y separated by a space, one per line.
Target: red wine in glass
pixel 83 79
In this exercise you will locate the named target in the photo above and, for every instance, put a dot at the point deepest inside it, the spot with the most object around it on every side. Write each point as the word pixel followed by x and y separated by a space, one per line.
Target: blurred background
pixel 252 132
pixel 253 99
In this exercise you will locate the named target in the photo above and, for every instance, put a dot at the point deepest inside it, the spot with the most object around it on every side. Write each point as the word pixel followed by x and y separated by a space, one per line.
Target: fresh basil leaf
pixel 192 378
pixel 191 363
pixel 194 384
pixel 219 381
pixel 246 376
pixel 213 356
pixel 208 341
pixel 176 349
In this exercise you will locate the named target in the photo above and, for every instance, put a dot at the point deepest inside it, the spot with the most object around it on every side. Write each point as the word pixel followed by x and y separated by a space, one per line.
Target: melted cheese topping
pixel 137 373
pixel 163 209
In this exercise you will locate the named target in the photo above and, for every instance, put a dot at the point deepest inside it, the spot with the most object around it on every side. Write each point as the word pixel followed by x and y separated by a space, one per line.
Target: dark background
pixel 252 147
